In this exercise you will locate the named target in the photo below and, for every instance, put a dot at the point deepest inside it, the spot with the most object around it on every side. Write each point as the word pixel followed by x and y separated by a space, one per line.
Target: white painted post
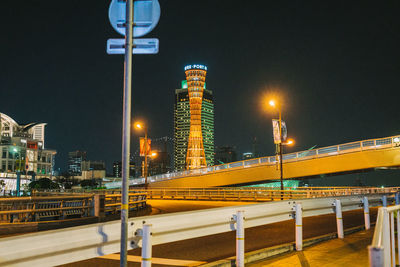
pixel 393 250
pixel 398 233
pixel 384 201
pixel 146 246
pixel 239 239
pixel 375 256
pixel 366 214
pixel 339 218
pixel 386 237
pixel 299 227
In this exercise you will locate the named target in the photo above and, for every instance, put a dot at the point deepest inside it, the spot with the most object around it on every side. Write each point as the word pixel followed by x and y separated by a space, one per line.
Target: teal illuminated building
pixel 182 126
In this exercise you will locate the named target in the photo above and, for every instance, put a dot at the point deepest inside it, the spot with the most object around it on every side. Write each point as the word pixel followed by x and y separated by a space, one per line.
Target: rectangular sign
pixel 140 46
pixel 276 131
pixel 143 148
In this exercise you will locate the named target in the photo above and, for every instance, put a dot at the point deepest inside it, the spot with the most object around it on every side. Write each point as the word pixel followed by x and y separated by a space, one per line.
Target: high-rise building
pixel 193 111
pixel 117 169
pixel 75 159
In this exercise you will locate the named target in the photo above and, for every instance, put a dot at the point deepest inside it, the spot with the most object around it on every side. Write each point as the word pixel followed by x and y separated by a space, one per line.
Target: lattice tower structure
pixel 196 77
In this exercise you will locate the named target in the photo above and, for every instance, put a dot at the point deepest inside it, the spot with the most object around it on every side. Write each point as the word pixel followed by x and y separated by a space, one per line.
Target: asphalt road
pixel 220 246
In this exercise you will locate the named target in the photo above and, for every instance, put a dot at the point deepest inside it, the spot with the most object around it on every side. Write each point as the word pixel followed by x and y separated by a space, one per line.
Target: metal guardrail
pixel 29 209
pixel 85 242
pixel 113 202
pixel 382 251
pixel 52 206
pixel 371 144
pixel 260 194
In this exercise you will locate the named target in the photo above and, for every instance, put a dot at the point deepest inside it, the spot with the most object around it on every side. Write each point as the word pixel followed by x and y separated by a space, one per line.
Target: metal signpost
pixel 122 14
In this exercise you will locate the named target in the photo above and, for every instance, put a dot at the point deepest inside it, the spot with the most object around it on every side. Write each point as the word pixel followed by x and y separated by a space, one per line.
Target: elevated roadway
pixel 349 157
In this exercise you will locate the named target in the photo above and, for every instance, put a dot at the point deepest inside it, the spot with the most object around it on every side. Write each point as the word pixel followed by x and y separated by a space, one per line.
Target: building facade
pixel 160 163
pixel 225 154
pixel 75 159
pixel 197 116
pixel 117 169
pixel 88 169
pixel 23 149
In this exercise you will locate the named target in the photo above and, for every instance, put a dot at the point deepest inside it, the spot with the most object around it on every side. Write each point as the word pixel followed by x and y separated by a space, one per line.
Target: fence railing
pixel 49 206
pixel 85 242
pixel 382 251
pixel 370 144
pixel 259 194
pixel 29 209
pixel 113 202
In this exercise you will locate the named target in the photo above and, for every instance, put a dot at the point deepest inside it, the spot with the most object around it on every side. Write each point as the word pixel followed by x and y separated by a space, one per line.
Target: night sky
pixel 335 63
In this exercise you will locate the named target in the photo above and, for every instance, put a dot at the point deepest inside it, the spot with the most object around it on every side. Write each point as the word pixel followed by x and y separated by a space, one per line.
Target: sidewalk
pixel 350 251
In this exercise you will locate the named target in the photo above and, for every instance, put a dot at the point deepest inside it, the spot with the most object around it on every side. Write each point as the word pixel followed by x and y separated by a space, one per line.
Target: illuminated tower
pixel 182 125
pixel 196 77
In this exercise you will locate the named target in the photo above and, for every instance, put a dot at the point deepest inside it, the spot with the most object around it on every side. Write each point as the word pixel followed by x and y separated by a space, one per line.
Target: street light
pixel 272 103
pixel 280 144
pixel 142 126
pixel 289 142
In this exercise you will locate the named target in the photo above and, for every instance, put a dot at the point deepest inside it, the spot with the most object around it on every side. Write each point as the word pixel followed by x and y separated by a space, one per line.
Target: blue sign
pixel 140 46
pixel 146 14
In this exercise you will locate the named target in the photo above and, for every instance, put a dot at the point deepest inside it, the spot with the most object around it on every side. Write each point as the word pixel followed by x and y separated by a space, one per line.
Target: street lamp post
pixel 146 152
pixel 280 149
pixel 279 144
pixel 145 157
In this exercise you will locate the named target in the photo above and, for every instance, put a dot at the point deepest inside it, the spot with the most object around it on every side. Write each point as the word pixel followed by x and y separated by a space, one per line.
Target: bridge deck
pixel 369 154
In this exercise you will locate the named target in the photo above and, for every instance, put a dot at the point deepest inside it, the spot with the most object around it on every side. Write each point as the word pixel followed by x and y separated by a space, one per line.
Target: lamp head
pixel 290 142
pixel 138 125
pixel 272 103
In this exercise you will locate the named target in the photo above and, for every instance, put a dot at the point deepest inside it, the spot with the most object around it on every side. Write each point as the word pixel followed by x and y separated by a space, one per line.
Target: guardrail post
pixel 386 237
pixel 62 215
pixel 339 218
pixel 239 239
pixel 375 256
pixel 366 213
pixel 299 227
pixel 146 246
pixel 398 233
pixel 99 206
pixel 384 201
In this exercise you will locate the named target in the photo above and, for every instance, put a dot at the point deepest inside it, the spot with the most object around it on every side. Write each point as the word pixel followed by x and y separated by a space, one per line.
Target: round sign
pixel 146 14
